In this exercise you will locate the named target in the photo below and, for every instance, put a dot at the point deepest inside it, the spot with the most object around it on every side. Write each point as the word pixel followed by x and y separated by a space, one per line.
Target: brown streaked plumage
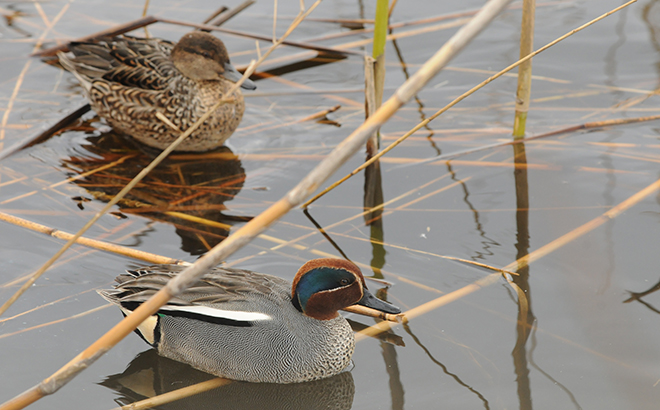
pixel 128 80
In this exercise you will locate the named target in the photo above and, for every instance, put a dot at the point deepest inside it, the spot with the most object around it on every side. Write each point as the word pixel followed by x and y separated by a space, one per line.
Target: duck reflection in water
pixel 185 190
pixel 150 374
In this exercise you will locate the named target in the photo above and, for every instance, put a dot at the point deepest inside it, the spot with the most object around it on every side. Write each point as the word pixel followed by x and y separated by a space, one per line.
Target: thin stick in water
pixel 459 99
pixel 260 223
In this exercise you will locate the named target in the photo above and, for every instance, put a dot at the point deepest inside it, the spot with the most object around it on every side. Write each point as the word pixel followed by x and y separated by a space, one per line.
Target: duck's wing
pixel 220 289
pixel 128 62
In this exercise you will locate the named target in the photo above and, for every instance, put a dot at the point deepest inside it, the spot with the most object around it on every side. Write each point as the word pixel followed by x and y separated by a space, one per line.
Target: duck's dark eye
pixel 343 282
pixel 206 54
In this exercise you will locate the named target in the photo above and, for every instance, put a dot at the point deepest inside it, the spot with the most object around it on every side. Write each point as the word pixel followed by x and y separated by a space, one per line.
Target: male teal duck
pixel 128 80
pixel 250 326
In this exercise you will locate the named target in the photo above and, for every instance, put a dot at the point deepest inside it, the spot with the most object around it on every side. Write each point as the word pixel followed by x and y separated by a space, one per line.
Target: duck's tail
pixel 77 69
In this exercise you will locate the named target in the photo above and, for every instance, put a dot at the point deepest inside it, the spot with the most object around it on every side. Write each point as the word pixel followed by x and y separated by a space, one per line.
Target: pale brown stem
pixel 520 263
pixel 260 223
pixel 524 89
pixel 319 114
pixel 459 99
pixel 92 243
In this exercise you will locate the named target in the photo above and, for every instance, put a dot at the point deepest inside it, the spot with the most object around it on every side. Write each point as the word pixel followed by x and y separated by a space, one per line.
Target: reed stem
pixel 249 231
pixel 461 98
pixel 524 90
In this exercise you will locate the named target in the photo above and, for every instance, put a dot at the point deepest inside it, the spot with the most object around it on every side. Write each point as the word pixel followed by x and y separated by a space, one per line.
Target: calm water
pixel 587 348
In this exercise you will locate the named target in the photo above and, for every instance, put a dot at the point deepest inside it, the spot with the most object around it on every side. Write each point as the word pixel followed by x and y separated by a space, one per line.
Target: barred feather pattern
pixel 128 80
pixel 288 348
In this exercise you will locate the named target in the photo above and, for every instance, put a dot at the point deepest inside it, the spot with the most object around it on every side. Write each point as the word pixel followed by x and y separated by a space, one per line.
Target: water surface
pixel 586 347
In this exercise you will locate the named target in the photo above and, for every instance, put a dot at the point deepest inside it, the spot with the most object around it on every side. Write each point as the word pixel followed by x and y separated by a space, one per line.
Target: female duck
pixel 128 80
pixel 249 326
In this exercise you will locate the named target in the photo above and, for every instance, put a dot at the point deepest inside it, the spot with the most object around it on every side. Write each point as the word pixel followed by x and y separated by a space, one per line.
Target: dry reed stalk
pixel 231 13
pixel 144 14
pixel 257 225
pixel 428 306
pixel 114 31
pixel 342 21
pixel 319 115
pixel 44 135
pixel 215 14
pixel 299 44
pixel 572 128
pixel 585 228
pixel 21 76
pixel 426 20
pixel 371 100
pixel 145 8
pixel 158 259
pixel 54 322
pixel 456 101
pixel 524 89
pixel 175 395
pixel 152 165
pixel 75 256
pixel 91 243
pixel 36 308
pixel 491 72
pixel 71 179
pixel 364 212
pixel 404 248
pixel 522 262
pixel 391 9
pixel 371 240
pixel 405 34
pixel 374 77
pixel 260 223
pixel 365 311
pixel 132 25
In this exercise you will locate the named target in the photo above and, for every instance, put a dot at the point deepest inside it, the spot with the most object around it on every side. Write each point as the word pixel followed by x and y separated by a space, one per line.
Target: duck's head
pixel 323 286
pixel 202 56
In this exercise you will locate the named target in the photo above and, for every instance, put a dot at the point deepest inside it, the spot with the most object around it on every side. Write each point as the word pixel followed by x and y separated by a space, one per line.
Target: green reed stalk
pixel 525 70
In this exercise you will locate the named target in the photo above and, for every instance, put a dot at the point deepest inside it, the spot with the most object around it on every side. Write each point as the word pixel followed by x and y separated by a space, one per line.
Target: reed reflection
pixel 392 366
pixel 149 375
pixel 525 316
pixel 445 370
pixel 187 191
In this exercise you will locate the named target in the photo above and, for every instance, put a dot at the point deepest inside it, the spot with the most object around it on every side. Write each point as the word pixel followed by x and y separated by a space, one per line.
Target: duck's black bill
pixel 373 302
pixel 232 75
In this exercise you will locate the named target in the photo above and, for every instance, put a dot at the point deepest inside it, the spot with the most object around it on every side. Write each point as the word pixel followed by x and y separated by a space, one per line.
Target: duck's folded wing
pixel 133 63
pixel 216 293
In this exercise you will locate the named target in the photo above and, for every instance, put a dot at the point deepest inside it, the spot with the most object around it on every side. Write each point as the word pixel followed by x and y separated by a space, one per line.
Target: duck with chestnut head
pixel 250 326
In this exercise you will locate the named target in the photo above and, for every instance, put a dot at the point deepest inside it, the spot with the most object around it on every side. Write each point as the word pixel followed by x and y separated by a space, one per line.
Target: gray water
pixel 586 349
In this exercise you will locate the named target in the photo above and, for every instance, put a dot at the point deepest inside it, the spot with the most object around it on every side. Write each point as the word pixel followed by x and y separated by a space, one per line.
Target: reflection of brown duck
pixel 189 193
pixel 150 374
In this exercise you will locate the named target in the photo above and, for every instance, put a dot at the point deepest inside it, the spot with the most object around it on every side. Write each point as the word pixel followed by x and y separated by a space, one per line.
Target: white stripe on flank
pixel 219 313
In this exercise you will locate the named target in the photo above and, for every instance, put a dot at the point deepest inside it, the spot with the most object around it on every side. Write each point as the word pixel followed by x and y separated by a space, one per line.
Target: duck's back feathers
pixel 128 62
pixel 216 288
pixel 129 80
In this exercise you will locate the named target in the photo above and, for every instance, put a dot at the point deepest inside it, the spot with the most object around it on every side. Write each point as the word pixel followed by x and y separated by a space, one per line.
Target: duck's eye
pixel 206 54
pixel 343 282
